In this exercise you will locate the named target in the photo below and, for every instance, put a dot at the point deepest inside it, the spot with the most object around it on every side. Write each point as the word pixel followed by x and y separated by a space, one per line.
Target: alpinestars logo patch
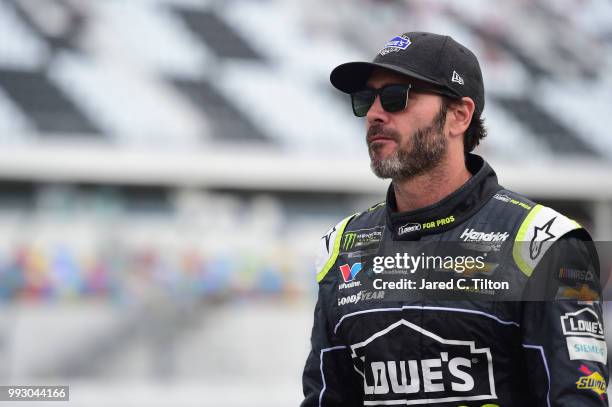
pixel 541 234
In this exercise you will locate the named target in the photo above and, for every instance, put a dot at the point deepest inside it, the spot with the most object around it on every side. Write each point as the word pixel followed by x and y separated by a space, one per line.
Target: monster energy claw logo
pixel 361 239
pixel 349 241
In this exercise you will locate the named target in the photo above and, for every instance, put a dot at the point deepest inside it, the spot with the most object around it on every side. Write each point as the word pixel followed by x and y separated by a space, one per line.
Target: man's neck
pixel 429 188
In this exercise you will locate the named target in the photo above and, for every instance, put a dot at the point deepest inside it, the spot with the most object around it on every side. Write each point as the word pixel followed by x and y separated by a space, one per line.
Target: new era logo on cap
pixel 457 78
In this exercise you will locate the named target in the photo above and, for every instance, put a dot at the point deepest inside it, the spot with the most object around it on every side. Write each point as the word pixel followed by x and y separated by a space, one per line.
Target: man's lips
pixel 379 138
pixel 379 135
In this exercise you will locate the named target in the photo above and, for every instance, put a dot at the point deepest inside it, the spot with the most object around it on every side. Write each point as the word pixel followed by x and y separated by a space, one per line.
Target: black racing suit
pixel 497 347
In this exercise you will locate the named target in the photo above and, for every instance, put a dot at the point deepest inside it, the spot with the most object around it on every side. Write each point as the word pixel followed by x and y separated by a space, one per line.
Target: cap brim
pixel 352 76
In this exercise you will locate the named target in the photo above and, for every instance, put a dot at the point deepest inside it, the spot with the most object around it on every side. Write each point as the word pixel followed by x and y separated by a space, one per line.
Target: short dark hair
pixel 475 132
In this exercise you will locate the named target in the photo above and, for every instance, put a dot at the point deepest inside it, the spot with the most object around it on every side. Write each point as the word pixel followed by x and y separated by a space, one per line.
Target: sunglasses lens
pixel 393 98
pixel 362 101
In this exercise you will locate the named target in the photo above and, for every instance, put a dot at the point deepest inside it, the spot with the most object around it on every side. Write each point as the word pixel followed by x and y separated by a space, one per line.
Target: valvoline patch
pixel 349 272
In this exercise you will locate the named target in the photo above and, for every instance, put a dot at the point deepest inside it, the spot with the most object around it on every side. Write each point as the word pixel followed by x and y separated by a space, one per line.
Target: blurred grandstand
pixel 164 164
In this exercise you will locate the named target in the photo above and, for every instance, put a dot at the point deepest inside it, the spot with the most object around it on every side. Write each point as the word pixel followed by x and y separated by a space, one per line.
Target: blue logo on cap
pixel 396 44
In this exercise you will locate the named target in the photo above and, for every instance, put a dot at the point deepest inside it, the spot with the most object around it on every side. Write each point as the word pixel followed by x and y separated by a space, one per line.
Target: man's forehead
pixel 382 77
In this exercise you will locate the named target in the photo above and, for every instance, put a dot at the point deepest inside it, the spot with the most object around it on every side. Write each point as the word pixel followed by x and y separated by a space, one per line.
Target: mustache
pixel 377 129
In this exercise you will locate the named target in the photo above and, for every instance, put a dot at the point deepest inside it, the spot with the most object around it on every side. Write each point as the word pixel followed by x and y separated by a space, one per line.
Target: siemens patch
pixel 587 349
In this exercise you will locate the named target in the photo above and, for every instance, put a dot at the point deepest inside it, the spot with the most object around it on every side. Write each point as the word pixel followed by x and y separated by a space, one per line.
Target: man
pixel 422 98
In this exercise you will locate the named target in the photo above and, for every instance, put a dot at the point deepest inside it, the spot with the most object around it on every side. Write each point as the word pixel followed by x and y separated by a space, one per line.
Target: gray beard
pixel 428 149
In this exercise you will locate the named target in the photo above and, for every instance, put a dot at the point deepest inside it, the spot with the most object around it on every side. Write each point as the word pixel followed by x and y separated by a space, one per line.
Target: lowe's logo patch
pixel 451 371
pixel 584 322
pixel 396 44
pixel 349 272
pixel 408 227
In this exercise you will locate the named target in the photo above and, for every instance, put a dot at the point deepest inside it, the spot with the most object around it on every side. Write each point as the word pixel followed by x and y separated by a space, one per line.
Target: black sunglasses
pixel 393 98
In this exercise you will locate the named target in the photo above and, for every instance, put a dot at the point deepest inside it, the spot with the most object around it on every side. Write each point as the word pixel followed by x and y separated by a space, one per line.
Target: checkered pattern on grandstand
pixel 186 74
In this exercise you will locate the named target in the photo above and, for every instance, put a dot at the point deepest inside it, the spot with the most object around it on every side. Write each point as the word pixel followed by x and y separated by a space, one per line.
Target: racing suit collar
pixel 450 211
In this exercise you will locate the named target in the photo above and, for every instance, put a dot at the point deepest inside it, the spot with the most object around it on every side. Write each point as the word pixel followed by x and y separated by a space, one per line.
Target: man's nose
pixel 376 113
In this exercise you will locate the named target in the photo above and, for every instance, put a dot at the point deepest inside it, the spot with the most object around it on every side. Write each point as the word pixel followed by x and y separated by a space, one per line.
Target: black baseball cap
pixel 433 58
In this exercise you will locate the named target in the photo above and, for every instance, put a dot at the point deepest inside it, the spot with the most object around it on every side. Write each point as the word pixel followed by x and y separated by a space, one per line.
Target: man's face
pixel 410 142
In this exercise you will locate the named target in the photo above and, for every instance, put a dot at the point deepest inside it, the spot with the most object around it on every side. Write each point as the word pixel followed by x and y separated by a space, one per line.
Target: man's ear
pixel 459 116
